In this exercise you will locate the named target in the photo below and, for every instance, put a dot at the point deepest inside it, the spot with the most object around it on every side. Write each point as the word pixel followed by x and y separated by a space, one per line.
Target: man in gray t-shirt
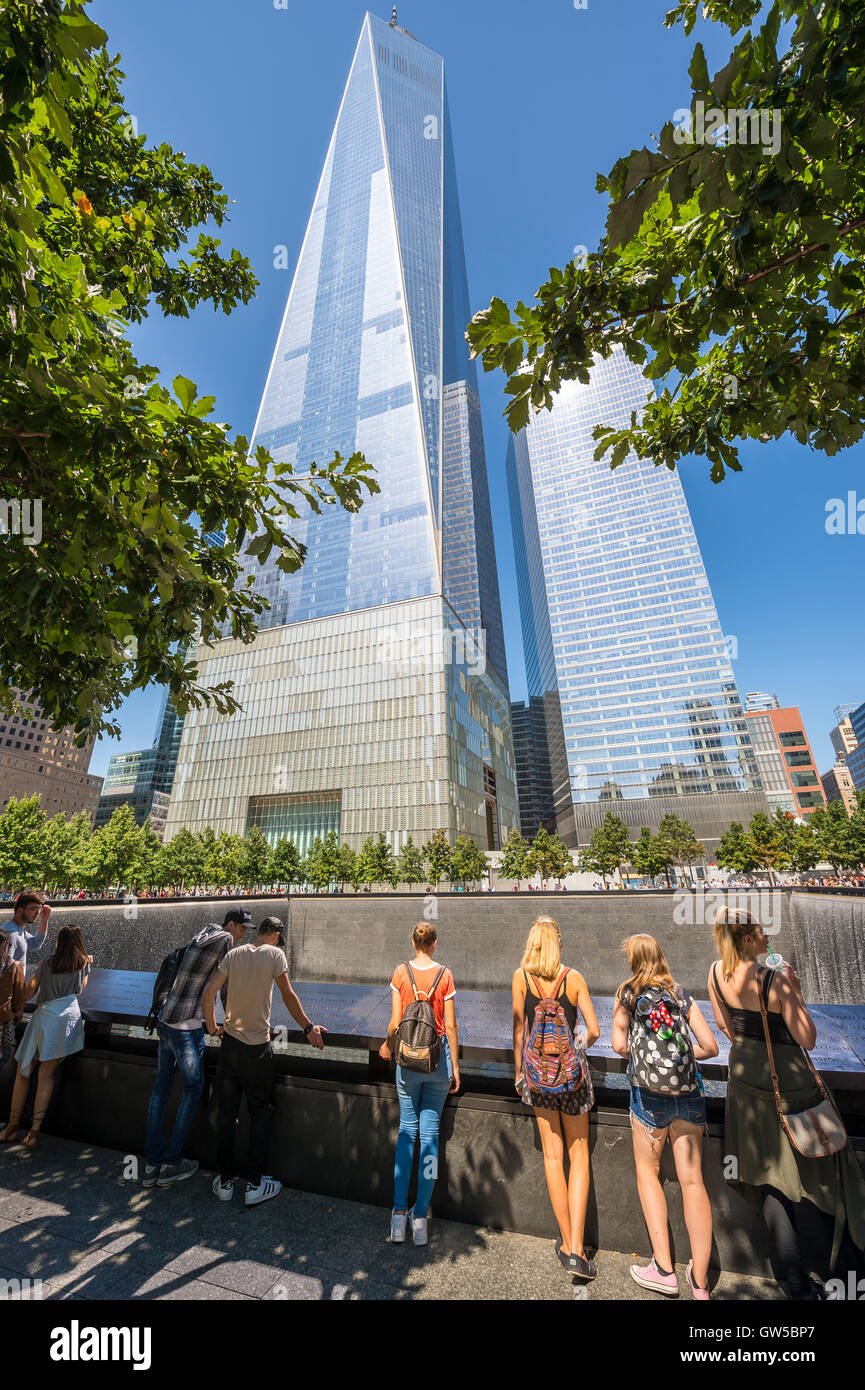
pixel 30 911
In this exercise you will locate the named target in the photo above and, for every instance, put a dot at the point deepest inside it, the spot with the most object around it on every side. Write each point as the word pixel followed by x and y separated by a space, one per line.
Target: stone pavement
pixel 69 1218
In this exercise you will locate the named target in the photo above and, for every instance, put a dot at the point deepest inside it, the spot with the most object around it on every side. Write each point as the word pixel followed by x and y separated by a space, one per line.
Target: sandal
pixel 10 1133
pixel 31 1138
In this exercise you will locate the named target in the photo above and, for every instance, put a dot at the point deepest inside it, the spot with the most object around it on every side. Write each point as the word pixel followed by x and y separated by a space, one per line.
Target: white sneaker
pixel 397 1227
pixel 267 1188
pixel 223 1190
pixel 418 1228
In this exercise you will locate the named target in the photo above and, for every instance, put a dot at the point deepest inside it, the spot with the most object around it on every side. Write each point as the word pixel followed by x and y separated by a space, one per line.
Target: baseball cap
pixel 273 924
pixel 237 914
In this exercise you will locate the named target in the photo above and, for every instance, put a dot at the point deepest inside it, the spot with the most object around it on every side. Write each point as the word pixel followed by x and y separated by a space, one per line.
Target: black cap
pixel 273 924
pixel 237 914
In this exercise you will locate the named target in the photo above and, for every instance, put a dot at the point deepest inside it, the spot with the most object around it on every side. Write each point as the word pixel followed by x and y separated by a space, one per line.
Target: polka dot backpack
pixel 662 1057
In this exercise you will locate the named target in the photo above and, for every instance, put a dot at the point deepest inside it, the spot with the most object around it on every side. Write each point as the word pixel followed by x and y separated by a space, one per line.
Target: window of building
pixel 798 759
pixel 794 738
pixel 809 799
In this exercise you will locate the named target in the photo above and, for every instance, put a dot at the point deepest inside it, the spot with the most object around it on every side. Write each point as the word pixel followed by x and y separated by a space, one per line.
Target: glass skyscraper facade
pixel 375 696
pixel 856 756
pixel 622 640
pixel 143 779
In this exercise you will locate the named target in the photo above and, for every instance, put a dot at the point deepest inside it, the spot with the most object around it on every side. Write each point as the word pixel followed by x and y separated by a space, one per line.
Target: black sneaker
pixel 151 1173
pixel 170 1173
pixel 576 1264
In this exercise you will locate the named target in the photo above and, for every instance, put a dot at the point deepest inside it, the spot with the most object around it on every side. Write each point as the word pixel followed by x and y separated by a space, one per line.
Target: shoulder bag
pixel 815 1133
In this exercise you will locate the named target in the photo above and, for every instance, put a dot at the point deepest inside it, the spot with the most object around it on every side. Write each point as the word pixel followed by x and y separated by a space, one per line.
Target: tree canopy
pixel 146 503
pixel 733 262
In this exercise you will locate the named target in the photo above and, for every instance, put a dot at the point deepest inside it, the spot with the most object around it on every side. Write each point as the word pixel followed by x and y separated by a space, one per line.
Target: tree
pixel 112 852
pixel 357 875
pixel 143 874
pixel 768 842
pixel 367 864
pixel 179 862
pixel 857 830
pixel 735 264
pixel 608 849
pixel 650 855
pixel 514 856
pixel 22 843
pixel 65 847
pixel 798 842
pixel 836 837
pixel 547 856
pixel 468 861
pixel 346 867
pixel 254 859
pixel 207 849
pixel 736 850
pixel 284 866
pixel 437 852
pixel 317 866
pixel 224 867
pixel 381 860
pixel 411 863
pixel 680 842
pixel 94 223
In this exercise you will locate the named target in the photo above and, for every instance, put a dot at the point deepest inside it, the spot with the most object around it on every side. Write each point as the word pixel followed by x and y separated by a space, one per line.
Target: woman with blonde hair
pixel 422 1095
pixel 562 1094
pixel 650 1027
pixel 767 1165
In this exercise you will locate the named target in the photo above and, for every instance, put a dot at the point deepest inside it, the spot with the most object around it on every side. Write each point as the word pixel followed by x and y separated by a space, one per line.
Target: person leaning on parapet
pixel 246 1057
pixel 552 1076
pixel 652 1025
pixel 31 911
pixel 763 1013
pixel 55 1030
pixel 180 1030
pixel 427 1069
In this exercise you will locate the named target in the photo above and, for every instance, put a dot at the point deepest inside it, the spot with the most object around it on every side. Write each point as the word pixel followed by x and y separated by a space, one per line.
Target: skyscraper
pixel 856 756
pixel 36 758
pixel 785 759
pixel 143 779
pixel 621 635
pixel 375 695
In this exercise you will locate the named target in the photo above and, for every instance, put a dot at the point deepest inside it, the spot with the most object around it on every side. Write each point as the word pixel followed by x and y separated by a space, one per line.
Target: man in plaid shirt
pixel 180 1031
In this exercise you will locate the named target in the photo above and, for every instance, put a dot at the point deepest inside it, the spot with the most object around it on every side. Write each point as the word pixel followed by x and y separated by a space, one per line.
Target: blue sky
pixel 543 96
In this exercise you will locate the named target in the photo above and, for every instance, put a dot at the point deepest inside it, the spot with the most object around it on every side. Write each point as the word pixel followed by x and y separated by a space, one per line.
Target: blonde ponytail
pixel 732 925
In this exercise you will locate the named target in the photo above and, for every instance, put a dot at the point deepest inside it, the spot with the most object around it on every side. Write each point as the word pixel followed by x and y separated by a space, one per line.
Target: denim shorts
pixel 659 1111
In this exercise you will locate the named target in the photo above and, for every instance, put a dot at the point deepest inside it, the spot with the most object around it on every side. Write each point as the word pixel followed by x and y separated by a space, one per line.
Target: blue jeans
pixel 421 1101
pixel 181 1049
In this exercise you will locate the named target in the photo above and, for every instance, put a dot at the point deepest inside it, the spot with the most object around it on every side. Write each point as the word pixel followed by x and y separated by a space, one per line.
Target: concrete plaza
pixel 69 1218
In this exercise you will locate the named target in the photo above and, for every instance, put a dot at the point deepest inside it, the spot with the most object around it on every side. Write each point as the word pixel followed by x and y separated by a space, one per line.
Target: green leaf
pixel 185 391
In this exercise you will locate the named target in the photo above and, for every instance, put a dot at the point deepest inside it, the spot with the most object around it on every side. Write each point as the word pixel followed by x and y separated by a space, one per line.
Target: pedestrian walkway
pixel 69 1218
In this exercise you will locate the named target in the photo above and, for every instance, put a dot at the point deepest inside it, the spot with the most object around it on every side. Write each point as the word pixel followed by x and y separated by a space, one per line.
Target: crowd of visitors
pixel 783 1134
pixel 751 882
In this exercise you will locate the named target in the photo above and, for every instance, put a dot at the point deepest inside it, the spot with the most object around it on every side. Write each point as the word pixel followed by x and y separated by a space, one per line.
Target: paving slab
pixel 68 1219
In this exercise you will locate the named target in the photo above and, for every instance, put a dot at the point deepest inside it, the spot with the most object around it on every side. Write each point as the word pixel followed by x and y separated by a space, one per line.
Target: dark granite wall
pixel 337 1137
pixel 359 941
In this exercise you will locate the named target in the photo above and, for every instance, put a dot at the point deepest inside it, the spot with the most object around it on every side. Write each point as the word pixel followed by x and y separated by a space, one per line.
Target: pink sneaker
pixel 649 1277
pixel 701 1295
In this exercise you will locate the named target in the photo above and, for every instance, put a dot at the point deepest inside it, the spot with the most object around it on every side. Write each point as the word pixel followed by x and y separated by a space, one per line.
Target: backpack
pixel 662 1055
pixel 165 977
pixel 418 1045
pixel 552 1064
